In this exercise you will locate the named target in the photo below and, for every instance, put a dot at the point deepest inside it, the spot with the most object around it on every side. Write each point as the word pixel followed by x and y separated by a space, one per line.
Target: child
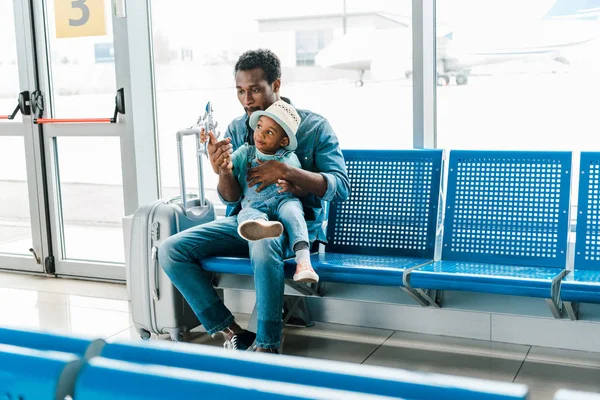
pixel 275 139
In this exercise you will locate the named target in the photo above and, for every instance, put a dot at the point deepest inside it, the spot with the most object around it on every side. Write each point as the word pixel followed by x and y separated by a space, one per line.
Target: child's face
pixel 269 136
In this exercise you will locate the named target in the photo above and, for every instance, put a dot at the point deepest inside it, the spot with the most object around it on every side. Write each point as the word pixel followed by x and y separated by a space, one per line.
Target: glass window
pixel 15 223
pixel 518 74
pixel 9 70
pixel 90 191
pixel 81 58
pixel 308 45
pixel 333 63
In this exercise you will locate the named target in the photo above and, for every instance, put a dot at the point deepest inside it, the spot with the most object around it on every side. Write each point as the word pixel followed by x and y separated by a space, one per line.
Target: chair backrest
pixel 508 207
pixel 104 378
pixel 587 236
pixel 47 341
pixel 393 205
pixel 36 374
pixel 367 380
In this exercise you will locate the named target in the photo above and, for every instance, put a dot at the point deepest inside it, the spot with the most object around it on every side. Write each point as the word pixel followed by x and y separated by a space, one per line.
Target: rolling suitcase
pixel 156 305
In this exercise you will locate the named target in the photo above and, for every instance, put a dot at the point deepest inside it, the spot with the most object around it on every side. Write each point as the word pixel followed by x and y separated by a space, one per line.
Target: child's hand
pixel 286 186
pixel 203 136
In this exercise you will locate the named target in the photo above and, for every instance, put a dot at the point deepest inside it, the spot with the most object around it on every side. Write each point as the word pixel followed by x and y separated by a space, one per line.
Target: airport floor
pixel 98 309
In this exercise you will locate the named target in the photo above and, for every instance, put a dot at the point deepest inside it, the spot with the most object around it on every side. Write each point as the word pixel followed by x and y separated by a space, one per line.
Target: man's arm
pixel 307 181
pixel 229 188
pixel 287 186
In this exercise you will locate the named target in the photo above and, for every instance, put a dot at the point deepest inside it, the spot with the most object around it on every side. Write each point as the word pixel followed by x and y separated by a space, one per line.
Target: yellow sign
pixel 76 18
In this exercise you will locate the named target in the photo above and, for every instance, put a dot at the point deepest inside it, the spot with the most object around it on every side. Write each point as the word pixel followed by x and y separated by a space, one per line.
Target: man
pixel 323 175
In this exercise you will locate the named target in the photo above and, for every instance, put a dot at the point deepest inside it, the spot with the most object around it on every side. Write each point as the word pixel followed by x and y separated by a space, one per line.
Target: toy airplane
pixel 207 122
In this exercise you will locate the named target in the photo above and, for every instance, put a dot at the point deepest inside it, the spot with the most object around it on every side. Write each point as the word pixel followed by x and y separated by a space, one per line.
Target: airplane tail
pixel 574 9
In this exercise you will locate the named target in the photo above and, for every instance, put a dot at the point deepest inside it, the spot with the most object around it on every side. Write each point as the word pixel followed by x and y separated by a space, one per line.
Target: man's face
pixel 269 136
pixel 253 90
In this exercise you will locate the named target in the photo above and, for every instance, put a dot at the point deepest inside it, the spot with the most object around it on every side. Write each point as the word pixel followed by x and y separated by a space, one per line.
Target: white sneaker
pixel 305 273
pixel 259 229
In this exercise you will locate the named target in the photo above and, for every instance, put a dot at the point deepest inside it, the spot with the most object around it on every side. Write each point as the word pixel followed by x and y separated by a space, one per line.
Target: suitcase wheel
pixel 144 334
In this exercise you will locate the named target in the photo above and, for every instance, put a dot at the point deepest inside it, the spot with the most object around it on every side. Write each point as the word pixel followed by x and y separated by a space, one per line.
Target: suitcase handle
pixel 195 131
pixel 155 292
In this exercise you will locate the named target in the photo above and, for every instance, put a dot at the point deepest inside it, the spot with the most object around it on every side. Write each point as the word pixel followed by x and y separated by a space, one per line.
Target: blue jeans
pixel 287 210
pixel 181 257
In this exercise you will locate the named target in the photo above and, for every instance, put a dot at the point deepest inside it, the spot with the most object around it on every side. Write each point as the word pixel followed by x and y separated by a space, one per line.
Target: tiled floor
pixel 100 310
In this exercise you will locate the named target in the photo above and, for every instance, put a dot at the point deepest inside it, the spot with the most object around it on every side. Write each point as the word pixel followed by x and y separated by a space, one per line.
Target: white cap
pixel 285 115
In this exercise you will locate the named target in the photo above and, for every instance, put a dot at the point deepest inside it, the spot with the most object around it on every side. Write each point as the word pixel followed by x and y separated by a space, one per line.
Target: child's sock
pixel 302 256
pixel 304 269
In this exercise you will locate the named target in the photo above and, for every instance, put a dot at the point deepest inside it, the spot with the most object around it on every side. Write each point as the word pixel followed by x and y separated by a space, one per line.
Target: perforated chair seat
pixel 486 278
pixel 388 223
pixel 362 269
pixel 239 266
pixel 505 226
pixel 332 267
pixel 581 286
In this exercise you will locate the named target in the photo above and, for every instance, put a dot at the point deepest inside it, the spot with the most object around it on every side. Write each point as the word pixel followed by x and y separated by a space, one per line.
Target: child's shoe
pixel 258 229
pixel 305 273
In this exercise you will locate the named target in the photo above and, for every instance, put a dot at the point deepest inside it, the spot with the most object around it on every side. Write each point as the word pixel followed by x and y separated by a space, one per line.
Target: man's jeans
pixel 288 210
pixel 181 257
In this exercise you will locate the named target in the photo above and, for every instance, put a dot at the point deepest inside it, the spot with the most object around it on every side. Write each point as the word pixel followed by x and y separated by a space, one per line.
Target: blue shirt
pixel 318 151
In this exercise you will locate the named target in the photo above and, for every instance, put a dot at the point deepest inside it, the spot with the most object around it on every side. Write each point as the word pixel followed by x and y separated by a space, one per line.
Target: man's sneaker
pixel 259 229
pixel 272 351
pixel 240 341
pixel 305 273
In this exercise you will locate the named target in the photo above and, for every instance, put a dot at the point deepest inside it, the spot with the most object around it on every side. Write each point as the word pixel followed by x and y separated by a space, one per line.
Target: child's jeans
pixel 285 209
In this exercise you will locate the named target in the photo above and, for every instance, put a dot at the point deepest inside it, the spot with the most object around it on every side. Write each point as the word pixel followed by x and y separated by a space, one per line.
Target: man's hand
pixel 286 186
pixel 219 153
pixel 267 173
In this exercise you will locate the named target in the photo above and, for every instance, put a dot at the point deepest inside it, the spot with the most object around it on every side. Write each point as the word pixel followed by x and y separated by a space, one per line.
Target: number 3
pixel 85 13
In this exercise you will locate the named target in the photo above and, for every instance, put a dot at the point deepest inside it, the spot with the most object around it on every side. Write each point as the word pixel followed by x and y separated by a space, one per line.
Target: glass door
pixel 82 148
pixel 23 240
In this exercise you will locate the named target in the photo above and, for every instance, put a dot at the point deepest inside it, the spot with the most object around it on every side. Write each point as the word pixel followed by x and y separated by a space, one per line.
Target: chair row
pixel 43 366
pixel 505 220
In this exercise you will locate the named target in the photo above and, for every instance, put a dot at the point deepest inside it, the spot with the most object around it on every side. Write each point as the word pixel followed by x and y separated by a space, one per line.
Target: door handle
pixel 37 259
pixel 23 106
pixel 38 102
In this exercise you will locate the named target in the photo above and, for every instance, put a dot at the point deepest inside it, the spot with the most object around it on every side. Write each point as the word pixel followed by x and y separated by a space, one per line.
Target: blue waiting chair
pixel 330 375
pixel 583 284
pixel 85 348
pixel 36 374
pixel 386 226
pixel 103 379
pixel 506 225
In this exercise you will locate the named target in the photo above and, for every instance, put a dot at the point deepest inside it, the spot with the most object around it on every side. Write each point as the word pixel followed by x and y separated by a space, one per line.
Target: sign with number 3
pixel 76 18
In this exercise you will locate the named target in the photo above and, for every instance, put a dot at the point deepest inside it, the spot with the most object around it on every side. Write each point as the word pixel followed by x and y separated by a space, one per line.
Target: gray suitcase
pixel 156 305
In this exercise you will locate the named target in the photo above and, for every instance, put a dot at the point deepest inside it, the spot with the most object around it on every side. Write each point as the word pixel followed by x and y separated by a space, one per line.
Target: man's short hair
pixel 263 59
